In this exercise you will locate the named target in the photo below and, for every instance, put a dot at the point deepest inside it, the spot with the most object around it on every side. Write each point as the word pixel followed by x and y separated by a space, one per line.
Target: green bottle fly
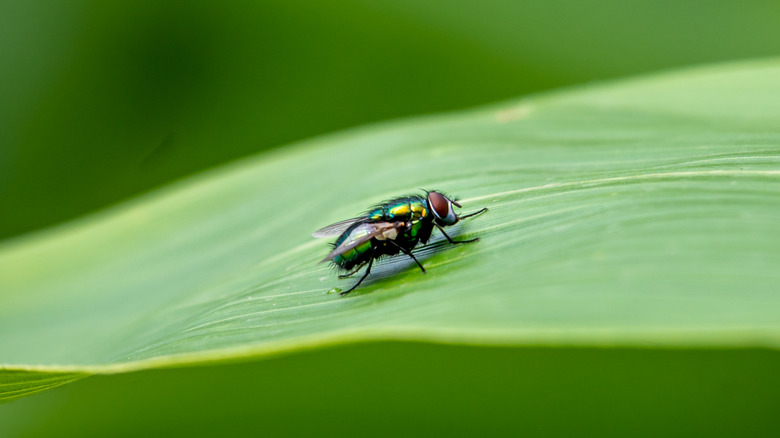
pixel 388 229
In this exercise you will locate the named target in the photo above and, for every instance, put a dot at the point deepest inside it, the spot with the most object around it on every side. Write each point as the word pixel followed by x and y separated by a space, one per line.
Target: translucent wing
pixel 336 229
pixel 363 234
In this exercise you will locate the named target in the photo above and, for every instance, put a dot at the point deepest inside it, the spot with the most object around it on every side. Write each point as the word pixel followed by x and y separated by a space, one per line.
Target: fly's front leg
pixel 472 214
pixel 466 216
pixel 455 242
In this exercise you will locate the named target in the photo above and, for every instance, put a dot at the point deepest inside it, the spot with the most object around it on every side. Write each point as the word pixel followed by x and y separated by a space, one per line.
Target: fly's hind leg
pixel 349 274
pixel 368 271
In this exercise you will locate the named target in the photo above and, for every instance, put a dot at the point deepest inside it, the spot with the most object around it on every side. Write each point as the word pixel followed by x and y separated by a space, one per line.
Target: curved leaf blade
pixel 636 214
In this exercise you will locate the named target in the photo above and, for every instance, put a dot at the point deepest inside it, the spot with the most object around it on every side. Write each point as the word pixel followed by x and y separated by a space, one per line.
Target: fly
pixel 389 229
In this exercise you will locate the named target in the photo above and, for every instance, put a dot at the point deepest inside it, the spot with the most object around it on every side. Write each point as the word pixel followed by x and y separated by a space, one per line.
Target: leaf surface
pixel 638 213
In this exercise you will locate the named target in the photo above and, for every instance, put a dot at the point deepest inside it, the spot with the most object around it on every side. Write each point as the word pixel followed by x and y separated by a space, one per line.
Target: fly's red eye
pixel 439 204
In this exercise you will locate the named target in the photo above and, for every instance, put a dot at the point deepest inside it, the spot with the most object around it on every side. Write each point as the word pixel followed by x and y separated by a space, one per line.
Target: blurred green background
pixel 104 100
pixel 406 389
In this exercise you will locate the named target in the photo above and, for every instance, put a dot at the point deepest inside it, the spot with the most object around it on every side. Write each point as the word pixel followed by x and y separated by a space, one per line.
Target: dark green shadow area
pixel 397 389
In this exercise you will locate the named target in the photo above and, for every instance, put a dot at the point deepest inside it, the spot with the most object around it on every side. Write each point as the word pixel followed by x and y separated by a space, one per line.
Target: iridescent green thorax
pixel 407 208
pixel 412 209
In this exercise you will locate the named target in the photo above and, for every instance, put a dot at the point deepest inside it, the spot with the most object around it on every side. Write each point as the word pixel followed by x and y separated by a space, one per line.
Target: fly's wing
pixel 336 229
pixel 369 231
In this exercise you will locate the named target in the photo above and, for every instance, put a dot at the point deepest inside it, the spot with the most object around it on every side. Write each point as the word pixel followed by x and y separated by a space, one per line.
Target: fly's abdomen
pixel 357 255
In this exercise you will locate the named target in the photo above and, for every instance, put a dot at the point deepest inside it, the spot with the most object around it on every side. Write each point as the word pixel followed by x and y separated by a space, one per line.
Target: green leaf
pixel 635 214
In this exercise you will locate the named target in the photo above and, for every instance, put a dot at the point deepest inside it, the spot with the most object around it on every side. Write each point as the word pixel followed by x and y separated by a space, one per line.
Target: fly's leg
pixel 465 216
pixel 472 214
pixel 368 271
pixel 409 253
pixel 455 242
pixel 343 276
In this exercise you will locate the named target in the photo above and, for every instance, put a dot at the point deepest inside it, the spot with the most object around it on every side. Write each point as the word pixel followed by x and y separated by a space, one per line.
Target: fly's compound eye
pixel 442 208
